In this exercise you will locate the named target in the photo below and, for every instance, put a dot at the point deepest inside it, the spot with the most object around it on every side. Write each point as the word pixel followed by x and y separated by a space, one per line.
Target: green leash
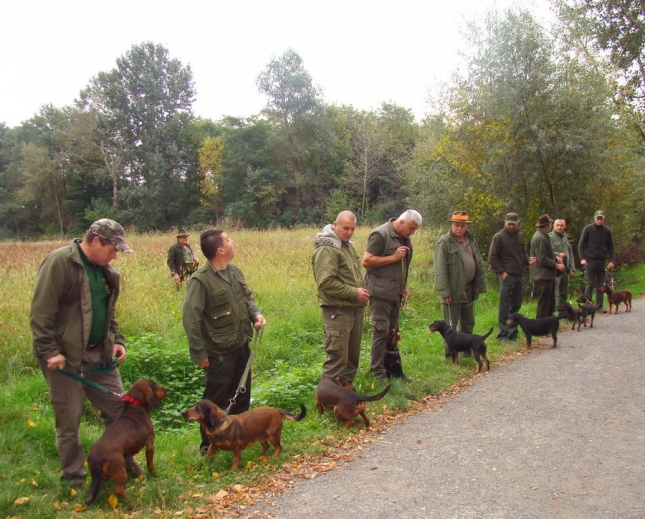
pixel 80 378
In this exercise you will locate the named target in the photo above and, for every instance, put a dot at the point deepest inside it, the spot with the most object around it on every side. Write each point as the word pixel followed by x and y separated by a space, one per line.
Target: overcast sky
pixel 360 52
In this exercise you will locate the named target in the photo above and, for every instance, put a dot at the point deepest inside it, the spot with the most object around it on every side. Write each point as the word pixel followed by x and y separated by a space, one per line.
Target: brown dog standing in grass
pixel 338 394
pixel 615 298
pixel 125 437
pixel 236 432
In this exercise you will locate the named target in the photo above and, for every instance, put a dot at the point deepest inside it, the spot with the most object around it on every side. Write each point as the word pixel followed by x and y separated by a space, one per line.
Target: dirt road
pixel 556 434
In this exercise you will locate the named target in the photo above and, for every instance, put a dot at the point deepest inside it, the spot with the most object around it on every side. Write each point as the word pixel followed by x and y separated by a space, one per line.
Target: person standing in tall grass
pixel 387 259
pixel 219 314
pixel 181 259
pixel 341 295
pixel 74 330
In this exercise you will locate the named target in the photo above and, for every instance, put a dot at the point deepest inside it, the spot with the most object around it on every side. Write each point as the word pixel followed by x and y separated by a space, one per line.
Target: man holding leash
pixel 75 334
pixel 595 247
pixel 459 273
pixel 508 257
pixel 387 259
pixel 341 295
pixel 219 314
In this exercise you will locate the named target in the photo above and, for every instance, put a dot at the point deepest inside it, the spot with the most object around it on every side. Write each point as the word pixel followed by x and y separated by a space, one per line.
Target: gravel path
pixel 556 434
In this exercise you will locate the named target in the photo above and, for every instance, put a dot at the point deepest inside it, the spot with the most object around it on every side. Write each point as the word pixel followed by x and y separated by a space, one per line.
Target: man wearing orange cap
pixel 459 272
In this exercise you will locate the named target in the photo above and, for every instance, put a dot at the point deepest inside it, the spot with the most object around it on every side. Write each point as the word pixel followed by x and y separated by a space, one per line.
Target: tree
pixel 143 107
pixel 210 165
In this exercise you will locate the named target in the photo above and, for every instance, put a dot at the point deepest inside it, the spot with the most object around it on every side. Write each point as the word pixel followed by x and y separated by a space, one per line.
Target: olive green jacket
pixel 544 267
pixel 560 243
pixel 449 274
pixel 337 270
pixel 217 315
pixel 61 310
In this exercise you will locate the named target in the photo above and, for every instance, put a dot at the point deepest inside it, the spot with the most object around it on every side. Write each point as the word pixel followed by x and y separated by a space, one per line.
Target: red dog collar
pixel 128 398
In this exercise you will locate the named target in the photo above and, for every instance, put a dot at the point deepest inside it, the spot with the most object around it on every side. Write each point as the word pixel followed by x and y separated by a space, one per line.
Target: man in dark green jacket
pixel 595 247
pixel 460 273
pixel 562 248
pixel 74 329
pixel 341 295
pixel 543 271
pixel 181 259
pixel 219 314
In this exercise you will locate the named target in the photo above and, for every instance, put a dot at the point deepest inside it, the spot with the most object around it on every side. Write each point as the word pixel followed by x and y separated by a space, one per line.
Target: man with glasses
pixel 595 247
pixel 507 257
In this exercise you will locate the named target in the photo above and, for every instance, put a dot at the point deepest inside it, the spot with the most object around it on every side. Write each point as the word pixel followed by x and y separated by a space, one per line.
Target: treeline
pixel 531 122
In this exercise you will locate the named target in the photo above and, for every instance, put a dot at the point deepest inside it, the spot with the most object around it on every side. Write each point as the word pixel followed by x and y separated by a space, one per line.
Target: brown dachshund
pixel 124 437
pixel 615 298
pixel 237 432
pixel 338 394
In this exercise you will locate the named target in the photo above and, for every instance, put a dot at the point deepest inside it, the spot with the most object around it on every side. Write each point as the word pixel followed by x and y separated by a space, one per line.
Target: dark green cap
pixel 111 230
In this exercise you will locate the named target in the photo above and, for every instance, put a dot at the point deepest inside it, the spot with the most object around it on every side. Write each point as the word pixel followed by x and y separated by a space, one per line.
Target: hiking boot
pixel 73 481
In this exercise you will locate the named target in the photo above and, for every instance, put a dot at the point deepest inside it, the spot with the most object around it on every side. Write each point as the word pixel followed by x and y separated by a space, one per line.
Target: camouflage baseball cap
pixel 111 230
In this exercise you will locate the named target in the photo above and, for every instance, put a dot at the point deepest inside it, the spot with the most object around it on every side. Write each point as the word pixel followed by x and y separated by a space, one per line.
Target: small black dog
pixel 458 341
pixel 537 327
pixel 393 366
pixel 586 308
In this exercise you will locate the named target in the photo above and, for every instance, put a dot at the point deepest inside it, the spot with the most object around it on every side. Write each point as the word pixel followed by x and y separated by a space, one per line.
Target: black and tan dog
pixel 537 327
pixel 124 437
pixel 393 365
pixel 617 297
pixel 337 394
pixel 579 315
pixel 236 432
pixel 459 341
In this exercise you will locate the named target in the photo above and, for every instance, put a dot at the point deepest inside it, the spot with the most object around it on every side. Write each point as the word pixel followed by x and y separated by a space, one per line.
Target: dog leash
pixel 241 387
pixel 80 377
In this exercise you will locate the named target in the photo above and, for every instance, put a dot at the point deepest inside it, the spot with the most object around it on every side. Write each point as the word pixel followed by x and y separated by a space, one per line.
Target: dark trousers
pixel 561 290
pixel 545 289
pixel 594 278
pixel 222 379
pixel 510 302
pixel 385 317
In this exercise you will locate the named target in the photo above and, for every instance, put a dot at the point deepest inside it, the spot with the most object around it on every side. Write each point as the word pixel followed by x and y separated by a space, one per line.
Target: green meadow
pixel 289 355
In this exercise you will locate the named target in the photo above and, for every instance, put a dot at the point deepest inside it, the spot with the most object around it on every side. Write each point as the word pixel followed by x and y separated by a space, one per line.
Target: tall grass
pixel 277 266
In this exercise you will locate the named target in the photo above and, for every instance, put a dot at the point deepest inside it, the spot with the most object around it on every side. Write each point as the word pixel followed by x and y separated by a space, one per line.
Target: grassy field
pixel 277 266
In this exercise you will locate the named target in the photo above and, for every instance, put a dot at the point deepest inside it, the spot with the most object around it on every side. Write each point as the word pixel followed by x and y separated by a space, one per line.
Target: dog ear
pixel 137 390
pixel 211 420
pixel 152 399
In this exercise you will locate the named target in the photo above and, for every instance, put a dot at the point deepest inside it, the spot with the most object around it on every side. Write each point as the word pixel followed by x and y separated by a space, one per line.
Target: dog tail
pixel 295 417
pixel 365 398
pixel 489 332
pixel 95 471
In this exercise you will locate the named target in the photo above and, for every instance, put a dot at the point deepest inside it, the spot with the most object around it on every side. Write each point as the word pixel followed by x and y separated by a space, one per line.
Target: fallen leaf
pixel 72 492
pixel 31 423
pixel 22 501
pixel 219 496
pixel 80 508
pixel 112 501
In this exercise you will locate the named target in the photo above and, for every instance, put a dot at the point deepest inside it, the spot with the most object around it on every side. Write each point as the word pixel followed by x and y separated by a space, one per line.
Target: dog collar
pixel 128 398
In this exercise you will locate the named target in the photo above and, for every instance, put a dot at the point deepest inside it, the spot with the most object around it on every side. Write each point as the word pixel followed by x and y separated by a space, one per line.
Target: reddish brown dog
pixel 615 298
pixel 125 437
pixel 338 394
pixel 237 432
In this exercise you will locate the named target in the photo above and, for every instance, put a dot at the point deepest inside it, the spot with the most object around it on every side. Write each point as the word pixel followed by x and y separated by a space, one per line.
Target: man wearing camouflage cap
pixel 74 330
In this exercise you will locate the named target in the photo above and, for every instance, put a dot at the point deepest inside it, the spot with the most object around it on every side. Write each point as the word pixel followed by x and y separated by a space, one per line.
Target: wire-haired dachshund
pixel 617 297
pixel 124 437
pixel 339 395
pixel 459 341
pixel 537 327
pixel 236 432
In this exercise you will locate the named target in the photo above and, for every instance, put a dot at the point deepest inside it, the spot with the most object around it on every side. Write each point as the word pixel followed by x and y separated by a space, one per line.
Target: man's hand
pixel 401 252
pixel 118 351
pixel 175 276
pixel 204 364
pixel 504 275
pixel 362 295
pixel 405 297
pixel 532 260
pixel 447 300
pixel 260 322
pixel 584 262
pixel 611 265
pixel 58 361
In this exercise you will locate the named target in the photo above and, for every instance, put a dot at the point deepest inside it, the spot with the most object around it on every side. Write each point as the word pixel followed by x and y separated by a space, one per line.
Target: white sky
pixel 361 52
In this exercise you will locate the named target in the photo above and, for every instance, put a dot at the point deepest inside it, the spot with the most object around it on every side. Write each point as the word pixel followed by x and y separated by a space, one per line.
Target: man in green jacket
pixel 543 271
pixel 341 295
pixel 387 259
pixel 562 247
pixel 74 330
pixel 460 273
pixel 219 314
pixel 181 259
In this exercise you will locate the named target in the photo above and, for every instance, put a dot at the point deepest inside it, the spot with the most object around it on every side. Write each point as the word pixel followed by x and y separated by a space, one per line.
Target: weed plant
pixel 277 266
